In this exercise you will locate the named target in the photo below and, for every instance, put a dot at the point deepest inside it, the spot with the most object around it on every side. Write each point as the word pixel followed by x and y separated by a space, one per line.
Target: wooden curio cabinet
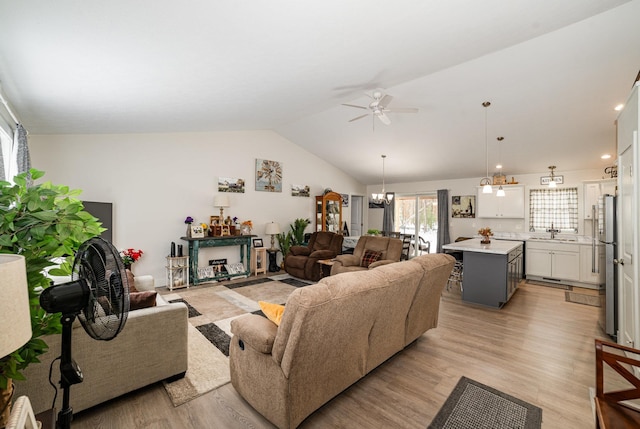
pixel 329 212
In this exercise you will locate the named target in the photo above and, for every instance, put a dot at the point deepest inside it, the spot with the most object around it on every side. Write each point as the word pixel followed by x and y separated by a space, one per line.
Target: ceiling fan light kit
pixel 378 108
pixel 382 197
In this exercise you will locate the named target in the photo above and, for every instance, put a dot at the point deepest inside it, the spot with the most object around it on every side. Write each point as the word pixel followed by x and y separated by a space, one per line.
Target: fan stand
pixel 70 373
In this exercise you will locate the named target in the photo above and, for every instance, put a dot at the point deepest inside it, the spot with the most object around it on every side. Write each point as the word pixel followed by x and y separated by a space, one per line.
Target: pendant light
pixel 382 197
pixel 500 192
pixel 485 182
pixel 552 180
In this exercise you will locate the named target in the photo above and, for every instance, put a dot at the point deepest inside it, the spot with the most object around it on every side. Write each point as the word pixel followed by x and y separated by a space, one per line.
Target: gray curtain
pixel 24 160
pixel 389 214
pixel 2 172
pixel 443 219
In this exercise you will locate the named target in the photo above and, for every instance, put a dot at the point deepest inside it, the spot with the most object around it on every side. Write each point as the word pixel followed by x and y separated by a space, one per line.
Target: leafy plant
pixel 284 240
pixel 373 232
pixel 297 230
pixel 40 222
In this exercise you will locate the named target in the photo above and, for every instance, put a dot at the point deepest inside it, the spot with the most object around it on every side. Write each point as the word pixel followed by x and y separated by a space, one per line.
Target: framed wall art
pixel 463 206
pixel 230 184
pixel 268 175
pixel 345 200
pixel 300 191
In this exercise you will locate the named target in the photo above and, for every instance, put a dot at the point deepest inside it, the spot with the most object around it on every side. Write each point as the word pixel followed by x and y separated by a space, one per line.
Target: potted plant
pixel 40 222
pixel 297 231
pixel 486 235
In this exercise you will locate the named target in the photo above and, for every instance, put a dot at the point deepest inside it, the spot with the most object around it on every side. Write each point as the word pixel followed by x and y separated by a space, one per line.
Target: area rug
pixel 581 298
pixel 473 405
pixel 212 307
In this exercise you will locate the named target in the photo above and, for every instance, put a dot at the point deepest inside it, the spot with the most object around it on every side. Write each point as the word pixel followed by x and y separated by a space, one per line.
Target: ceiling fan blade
pixel 402 110
pixel 383 118
pixel 385 100
pixel 353 105
pixel 359 117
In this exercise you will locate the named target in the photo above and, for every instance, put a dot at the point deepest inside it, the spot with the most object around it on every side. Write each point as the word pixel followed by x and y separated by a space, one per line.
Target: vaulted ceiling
pixel 553 71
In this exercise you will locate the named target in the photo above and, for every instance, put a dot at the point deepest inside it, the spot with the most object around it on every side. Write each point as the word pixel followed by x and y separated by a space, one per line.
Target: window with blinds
pixel 557 207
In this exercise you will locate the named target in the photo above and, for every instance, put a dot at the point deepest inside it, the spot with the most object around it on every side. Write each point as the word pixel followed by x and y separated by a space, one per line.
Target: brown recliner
pixel 302 261
pixel 391 249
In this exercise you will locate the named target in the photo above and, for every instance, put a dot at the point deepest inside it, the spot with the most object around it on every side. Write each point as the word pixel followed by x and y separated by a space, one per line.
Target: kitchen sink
pixel 554 239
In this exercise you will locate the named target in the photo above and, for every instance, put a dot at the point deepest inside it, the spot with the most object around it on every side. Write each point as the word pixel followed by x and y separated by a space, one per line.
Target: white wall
pixel 469 227
pixel 156 180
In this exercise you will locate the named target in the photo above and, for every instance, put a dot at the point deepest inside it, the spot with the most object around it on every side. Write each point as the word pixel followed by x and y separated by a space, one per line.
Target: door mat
pixel 473 405
pixel 580 298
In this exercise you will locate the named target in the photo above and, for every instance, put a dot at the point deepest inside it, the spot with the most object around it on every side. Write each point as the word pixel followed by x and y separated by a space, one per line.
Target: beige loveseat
pixel 151 347
pixel 332 334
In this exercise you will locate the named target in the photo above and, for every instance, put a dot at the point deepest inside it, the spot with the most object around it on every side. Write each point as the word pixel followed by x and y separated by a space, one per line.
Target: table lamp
pixel 272 229
pixel 14 305
pixel 221 201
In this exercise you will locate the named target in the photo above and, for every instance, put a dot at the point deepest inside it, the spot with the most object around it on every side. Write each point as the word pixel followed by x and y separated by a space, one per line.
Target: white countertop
pixel 500 247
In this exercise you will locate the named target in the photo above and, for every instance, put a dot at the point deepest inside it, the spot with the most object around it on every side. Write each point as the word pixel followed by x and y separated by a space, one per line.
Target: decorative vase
pixel 245 230
pixel 485 240
pixel 188 230
pixel 127 267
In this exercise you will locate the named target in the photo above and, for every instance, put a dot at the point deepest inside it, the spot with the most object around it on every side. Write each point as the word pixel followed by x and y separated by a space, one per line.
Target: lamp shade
pixel 272 228
pixel 221 201
pixel 14 305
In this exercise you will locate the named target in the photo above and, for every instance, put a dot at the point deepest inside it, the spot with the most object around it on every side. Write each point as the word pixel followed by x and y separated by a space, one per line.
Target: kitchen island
pixel 491 272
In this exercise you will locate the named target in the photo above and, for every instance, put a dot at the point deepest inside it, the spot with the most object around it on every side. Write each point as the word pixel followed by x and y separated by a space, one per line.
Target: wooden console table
pixel 244 241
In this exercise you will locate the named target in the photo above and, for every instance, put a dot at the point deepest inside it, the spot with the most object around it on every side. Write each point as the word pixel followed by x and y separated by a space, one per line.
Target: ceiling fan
pixel 379 107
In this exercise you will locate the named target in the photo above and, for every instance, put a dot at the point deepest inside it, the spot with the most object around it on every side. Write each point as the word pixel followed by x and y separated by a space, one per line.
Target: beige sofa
pixel 151 347
pixel 390 249
pixel 332 334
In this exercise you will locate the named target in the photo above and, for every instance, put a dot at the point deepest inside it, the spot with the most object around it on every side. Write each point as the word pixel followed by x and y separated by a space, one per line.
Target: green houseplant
pixel 40 222
pixel 294 237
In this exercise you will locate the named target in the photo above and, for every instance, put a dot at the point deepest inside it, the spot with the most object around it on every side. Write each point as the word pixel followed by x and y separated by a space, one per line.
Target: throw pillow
pixel 273 312
pixel 369 257
pixel 132 282
pixel 138 300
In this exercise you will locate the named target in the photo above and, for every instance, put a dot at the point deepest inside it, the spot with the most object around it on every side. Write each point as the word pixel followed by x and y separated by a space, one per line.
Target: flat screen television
pixel 104 213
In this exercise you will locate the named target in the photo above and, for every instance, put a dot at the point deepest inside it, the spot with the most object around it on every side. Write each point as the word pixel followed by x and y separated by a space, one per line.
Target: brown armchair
pixel 390 249
pixel 302 261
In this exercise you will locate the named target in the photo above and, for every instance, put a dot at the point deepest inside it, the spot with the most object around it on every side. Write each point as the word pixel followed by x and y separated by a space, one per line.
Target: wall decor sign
pixel 300 191
pixel 544 180
pixel 463 206
pixel 230 184
pixel 268 175
pixel 345 200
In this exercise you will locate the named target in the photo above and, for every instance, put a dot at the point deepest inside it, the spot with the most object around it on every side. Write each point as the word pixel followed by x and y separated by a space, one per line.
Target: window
pixel 557 207
pixel 418 213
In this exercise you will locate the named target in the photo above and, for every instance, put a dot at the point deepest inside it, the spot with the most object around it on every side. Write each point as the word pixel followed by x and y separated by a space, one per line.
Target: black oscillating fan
pixel 99 296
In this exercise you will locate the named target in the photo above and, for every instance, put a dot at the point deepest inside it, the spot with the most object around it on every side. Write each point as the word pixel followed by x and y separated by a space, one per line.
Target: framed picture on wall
pixel 463 206
pixel 268 175
pixel 300 191
pixel 230 184
pixel 345 200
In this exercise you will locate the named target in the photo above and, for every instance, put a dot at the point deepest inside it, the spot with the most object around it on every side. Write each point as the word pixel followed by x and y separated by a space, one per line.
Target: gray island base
pixel 491 272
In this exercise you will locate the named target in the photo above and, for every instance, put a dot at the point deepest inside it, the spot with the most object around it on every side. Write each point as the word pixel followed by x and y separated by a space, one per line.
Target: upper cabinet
pixel 329 212
pixel 509 206
pixel 593 190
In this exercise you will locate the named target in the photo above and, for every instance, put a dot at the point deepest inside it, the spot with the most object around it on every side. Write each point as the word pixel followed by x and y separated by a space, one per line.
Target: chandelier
pixel 552 178
pixel 382 197
pixel 485 182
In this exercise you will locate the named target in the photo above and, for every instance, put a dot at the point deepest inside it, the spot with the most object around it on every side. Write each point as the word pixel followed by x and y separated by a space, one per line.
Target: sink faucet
pixel 553 231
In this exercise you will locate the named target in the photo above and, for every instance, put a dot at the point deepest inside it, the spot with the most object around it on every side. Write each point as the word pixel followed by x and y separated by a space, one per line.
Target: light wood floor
pixel 538 348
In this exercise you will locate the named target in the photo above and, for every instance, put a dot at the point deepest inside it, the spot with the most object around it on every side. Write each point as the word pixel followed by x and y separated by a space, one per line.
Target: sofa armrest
pixel 322 254
pixel 381 263
pixel 347 260
pixel 255 331
pixel 299 250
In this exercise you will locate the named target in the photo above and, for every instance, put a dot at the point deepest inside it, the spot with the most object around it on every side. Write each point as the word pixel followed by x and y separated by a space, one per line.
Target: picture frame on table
pixel 214 220
pixel 197 231
pixel 257 242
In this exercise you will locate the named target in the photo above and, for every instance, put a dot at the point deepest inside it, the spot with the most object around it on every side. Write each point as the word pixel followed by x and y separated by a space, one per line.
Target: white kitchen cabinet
pixel 552 261
pixel 511 206
pixel 592 190
pixel 588 265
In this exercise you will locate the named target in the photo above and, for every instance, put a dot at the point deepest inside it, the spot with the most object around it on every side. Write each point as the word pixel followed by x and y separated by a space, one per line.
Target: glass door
pixel 418 215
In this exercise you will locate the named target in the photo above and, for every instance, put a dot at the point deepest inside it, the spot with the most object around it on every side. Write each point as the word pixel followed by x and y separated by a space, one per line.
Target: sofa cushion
pixel 138 300
pixel 369 257
pixel 272 311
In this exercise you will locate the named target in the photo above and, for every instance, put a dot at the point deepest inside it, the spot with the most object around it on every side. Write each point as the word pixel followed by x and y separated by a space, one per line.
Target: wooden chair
pixel 610 412
pixel 406 246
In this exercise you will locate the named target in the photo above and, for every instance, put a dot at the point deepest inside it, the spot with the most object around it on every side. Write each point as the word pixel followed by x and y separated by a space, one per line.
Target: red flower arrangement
pixel 129 256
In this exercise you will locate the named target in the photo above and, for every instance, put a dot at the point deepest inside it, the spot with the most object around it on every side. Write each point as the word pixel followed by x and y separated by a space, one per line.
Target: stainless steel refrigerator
pixel 606 236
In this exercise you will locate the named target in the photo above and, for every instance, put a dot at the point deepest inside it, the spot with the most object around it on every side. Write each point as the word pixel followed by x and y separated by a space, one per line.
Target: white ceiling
pixel 553 71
